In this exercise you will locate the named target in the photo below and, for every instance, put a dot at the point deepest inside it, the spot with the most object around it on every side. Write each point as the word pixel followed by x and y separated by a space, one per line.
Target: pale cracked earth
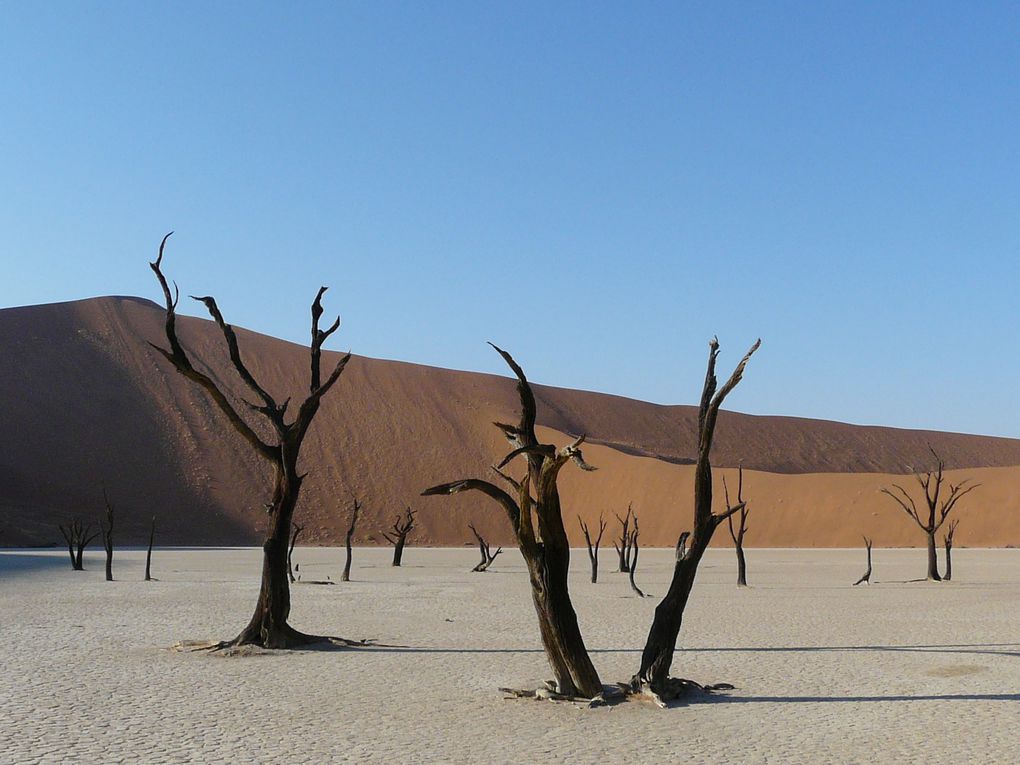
pixel 825 673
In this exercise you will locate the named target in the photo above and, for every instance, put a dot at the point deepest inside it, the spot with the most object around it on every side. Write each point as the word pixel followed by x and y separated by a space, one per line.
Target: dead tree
pixel 346 576
pixel 632 567
pixel 938 505
pixel 268 627
pixel 737 534
pixel 623 546
pixel 106 526
pixel 681 544
pixel 484 550
pixel 295 531
pixel 148 553
pixel 653 676
pixel 537 523
pixel 402 526
pixel 866 578
pixel 948 540
pixel 593 547
pixel 78 536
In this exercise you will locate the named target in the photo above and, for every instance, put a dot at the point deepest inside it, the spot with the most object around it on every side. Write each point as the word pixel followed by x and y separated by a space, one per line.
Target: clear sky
pixel 599 188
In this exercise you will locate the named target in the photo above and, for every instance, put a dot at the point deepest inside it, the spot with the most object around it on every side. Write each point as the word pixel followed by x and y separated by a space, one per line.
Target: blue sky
pixel 598 188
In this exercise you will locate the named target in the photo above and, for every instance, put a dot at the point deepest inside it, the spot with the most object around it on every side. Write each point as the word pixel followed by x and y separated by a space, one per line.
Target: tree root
pixel 297 641
pixel 549 692
pixel 675 688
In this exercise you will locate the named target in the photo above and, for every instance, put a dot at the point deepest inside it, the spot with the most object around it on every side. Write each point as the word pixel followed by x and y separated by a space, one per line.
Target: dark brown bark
pixel 737 534
pixel 106 526
pixel 867 574
pixel 657 657
pixel 623 546
pixel 593 547
pixel 537 522
pixel 402 526
pixel 948 540
pixel 938 506
pixel 78 536
pixel 268 626
pixel 295 531
pixel 484 550
pixel 632 563
pixel 148 553
pixel 346 576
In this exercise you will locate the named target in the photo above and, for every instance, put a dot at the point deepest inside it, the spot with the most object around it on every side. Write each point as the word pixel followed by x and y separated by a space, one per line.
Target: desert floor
pixel 896 672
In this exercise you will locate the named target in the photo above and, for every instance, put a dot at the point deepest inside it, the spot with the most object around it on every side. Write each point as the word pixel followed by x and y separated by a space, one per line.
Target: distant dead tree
pixel 948 540
pixel 356 507
pixel 652 678
pixel 681 544
pixel 78 536
pixel 148 553
pixel 737 534
pixel 295 531
pixel 623 546
pixel 537 522
pixel 402 526
pixel 632 567
pixel 593 547
pixel 938 505
pixel 106 526
pixel 866 578
pixel 268 626
pixel 483 548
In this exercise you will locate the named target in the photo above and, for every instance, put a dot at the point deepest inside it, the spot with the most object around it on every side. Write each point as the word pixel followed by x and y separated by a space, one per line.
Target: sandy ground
pixel 825 673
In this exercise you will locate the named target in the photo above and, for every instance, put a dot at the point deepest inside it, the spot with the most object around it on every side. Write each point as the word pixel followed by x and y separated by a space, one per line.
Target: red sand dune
pixel 87 402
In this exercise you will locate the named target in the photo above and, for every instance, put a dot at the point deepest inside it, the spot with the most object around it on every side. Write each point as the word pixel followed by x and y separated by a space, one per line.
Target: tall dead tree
pixel 938 505
pixel 623 546
pixel 106 526
pixel 866 578
pixel 593 547
pixel 484 550
pixel 295 531
pixel 148 553
pixel 537 523
pixel 653 676
pixel 268 627
pixel 737 534
pixel 78 536
pixel 402 526
pixel 948 540
pixel 632 563
pixel 346 576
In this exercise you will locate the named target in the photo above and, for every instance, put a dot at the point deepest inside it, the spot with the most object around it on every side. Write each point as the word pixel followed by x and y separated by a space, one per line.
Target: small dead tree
pixel 593 547
pixel 623 546
pixel 346 576
pixel 402 526
pixel 632 567
pixel 938 505
pixel 483 548
pixel 106 526
pixel 866 578
pixel 78 536
pixel 268 626
pixel 537 522
pixel 148 553
pixel 681 544
pixel 653 677
pixel 737 534
pixel 948 540
pixel 295 531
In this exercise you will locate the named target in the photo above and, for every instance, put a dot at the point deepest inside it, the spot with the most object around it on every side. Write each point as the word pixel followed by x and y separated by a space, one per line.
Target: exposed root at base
pixel 676 687
pixel 297 641
pixel 549 692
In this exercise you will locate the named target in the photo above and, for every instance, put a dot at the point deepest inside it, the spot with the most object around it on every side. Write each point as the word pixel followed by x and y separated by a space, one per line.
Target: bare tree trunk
pixel 933 561
pixel 78 536
pixel 148 553
pixel 737 534
pixel 633 561
pixel 401 528
pixel 741 567
pixel 867 574
pixel 623 547
pixel 593 547
pixel 290 550
pixel 107 529
pixel 485 550
pixel 657 657
pixel 346 576
pixel 949 550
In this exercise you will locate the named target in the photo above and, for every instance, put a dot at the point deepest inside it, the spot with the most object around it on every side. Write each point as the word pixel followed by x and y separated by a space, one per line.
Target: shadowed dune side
pixel 85 400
